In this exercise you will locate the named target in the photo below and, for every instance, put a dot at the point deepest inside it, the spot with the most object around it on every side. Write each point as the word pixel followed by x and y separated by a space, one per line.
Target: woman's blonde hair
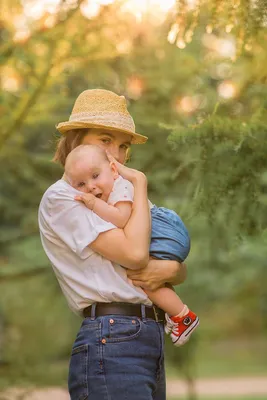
pixel 69 141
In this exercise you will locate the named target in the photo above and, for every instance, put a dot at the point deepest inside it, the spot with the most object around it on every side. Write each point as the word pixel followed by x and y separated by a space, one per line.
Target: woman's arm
pixel 118 215
pixel 130 246
pixel 157 273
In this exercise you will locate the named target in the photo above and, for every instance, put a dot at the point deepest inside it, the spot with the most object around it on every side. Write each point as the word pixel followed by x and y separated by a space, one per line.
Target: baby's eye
pixel 81 184
pixel 95 176
pixel 124 146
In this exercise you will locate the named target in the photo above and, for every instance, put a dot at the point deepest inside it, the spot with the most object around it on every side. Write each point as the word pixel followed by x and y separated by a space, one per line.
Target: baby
pixel 107 194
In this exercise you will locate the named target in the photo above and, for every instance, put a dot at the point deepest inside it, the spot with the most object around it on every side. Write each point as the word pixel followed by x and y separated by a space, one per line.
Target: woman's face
pixel 116 143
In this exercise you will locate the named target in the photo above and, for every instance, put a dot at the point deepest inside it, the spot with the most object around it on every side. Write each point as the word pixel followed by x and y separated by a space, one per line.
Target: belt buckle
pixel 155 313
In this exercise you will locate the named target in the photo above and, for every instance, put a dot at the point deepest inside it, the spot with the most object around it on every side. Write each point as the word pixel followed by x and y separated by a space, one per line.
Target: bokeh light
pixel 36 9
pixel 227 90
pixel 90 9
pixel 155 7
pixel 135 87
pixel 22 31
pixel 10 80
pixel 222 70
pixel 223 47
pixel 189 104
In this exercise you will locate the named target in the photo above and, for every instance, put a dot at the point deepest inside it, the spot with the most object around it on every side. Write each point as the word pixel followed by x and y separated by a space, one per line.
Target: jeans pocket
pixel 78 386
pixel 121 330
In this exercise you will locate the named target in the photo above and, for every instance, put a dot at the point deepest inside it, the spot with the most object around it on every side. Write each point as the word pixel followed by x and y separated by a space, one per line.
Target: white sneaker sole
pixel 186 335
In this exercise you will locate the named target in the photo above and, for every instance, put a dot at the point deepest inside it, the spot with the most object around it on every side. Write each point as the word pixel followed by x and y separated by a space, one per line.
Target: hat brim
pixel 64 127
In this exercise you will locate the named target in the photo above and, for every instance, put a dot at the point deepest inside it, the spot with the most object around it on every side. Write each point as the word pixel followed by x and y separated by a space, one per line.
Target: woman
pixel 118 352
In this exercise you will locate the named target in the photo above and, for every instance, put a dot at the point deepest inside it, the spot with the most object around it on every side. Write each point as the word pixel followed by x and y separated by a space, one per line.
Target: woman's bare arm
pixel 129 246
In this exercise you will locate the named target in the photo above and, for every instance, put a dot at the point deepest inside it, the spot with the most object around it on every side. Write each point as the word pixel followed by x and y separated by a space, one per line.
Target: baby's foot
pixel 181 328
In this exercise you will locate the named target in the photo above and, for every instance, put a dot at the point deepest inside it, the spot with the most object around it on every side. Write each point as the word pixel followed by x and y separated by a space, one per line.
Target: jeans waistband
pixel 128 309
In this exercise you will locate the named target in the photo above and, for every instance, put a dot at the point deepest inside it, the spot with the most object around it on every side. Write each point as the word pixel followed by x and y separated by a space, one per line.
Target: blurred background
pixel 195 78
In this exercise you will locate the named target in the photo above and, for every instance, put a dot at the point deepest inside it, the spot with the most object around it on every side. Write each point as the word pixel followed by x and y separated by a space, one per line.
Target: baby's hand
pixel 128 173
pixel 88 199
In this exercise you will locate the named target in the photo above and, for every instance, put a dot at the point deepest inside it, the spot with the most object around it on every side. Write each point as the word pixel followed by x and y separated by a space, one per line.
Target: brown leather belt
pixel 128 309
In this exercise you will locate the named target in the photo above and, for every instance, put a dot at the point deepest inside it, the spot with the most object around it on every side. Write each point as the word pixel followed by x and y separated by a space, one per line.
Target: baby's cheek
pixel 110 186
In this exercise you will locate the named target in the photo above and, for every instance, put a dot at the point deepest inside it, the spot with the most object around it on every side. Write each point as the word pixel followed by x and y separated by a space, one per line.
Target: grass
pixel 227 358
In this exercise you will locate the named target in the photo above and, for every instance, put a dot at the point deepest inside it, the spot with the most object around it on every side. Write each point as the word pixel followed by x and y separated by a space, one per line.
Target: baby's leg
pixel 180 321
pixel 166 299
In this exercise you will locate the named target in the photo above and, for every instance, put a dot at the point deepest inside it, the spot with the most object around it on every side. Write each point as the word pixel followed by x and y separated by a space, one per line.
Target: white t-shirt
pixel 67 227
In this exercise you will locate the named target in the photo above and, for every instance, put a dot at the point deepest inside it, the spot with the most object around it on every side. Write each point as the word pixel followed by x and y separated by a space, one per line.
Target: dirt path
pixel 221 386
pixel 175 388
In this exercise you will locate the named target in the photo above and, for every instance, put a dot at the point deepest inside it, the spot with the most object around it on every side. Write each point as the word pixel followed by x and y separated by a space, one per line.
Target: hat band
pixel 112 119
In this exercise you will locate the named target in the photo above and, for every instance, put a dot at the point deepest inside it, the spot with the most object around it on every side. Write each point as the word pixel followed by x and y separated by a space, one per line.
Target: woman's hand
pixel 130 174
pixel 157 273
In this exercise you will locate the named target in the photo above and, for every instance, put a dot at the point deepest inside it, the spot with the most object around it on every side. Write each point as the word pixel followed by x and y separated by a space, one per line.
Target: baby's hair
pixel 84 150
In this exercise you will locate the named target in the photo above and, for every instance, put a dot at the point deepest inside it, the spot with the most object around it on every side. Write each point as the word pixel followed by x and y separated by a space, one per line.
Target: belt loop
pixel 93 307
pixel 143 311
pixel 155 313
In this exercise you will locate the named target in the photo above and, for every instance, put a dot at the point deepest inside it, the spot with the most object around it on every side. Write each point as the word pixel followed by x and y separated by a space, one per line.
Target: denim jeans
pixel 118 358
pixel 169 237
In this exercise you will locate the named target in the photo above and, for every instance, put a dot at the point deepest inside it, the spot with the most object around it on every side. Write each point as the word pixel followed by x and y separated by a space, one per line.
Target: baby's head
pixel 88 170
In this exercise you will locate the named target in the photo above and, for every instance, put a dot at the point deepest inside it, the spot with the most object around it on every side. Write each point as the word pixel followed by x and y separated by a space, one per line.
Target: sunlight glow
pixel 135 87
pixel 35 9
pixel 10 80
pixel 22 31
pixel 173 33
pixel 139 8
pixel 90 9
pixel 227 90
pixel 222 70
pixel 148 6
pixel 223 47
pixel 189 104
pixel 125 46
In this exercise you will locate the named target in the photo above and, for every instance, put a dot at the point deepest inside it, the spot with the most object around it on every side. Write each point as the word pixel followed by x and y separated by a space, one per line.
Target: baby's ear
pixel 114 170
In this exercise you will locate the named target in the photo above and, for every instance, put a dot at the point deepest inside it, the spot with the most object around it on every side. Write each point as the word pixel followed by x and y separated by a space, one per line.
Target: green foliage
pixel 211 170
pixel 244 19
pixel 228 160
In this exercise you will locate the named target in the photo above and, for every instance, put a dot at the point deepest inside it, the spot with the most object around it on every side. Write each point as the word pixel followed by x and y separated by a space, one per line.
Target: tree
pixel 208 98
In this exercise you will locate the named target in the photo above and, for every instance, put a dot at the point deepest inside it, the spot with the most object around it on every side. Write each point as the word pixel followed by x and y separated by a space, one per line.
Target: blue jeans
pixel 118 358
pixel 169 237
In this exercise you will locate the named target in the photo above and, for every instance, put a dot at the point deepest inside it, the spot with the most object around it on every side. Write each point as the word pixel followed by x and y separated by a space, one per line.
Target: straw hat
pixel 98 108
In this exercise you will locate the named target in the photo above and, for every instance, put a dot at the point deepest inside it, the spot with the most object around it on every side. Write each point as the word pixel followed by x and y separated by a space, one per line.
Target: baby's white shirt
pixel 123 190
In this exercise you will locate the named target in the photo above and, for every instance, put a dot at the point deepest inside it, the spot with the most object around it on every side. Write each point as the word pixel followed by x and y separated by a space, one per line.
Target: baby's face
pixel 96 177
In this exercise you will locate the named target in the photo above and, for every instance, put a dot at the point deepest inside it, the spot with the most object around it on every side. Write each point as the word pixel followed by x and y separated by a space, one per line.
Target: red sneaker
pixel 183 327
